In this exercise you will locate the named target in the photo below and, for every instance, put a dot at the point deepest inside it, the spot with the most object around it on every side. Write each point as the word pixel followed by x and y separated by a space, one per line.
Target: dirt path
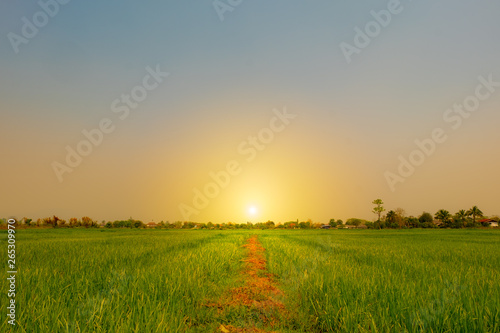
pixel 255 306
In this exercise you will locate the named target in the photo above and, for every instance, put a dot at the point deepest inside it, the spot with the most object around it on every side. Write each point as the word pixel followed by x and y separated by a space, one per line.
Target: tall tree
pixel 475 212
pixel 378 208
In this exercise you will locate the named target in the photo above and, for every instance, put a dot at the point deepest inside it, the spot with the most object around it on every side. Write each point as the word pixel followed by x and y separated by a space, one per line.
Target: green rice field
pixel 109 280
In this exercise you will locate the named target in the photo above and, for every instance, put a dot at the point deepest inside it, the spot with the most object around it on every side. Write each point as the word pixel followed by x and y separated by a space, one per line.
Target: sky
pixel 248 110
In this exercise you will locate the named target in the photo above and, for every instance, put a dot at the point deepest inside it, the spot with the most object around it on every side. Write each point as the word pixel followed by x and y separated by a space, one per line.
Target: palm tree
pixel 460 218
pixel 474 211
pixel 391 217
pixel 461 215
pixel 443 215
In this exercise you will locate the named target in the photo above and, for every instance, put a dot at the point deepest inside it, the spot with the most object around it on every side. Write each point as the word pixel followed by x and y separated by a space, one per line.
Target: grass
pixel 78 280
pixel 390 281
pixel 119 281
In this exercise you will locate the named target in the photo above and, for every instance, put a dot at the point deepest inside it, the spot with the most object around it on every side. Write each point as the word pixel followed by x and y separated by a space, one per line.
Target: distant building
pixel 151 225
pixel 489 222
pixel 325 226
pixel 438 223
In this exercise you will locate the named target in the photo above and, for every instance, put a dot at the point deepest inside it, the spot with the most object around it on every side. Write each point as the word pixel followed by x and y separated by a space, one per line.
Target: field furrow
pixel 256 304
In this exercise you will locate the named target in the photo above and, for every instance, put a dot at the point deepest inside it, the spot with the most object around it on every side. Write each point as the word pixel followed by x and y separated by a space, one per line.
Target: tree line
pixel 397 219
pixel 85 222
pixel 394 219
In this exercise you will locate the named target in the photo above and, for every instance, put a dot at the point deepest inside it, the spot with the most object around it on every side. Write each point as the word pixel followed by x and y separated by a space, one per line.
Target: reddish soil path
pixel 258 298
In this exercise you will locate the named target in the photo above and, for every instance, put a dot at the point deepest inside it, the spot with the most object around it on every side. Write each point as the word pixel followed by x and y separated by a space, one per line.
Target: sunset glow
pixel 150 119
pixel 252 211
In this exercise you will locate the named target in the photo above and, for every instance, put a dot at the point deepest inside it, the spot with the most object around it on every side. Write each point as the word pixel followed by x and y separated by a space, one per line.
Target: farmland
pixel 84 280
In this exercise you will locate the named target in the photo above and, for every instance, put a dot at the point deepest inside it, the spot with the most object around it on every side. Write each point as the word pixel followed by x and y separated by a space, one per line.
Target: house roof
pixel 486 220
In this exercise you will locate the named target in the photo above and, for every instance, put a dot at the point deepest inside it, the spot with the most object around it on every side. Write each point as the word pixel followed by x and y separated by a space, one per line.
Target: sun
pixel 252 210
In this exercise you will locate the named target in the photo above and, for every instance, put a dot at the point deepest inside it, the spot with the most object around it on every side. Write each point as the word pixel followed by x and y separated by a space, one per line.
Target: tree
pixel 425 218
pixel 474 211
pixel 87 222
pixel 270 224
pixel 26 221
pixel 460 218
pixel 353 221
pixel 412 221
pixel 443 215
pixel 73 222
pixel 51 221
pixel 400 217
pixel 55 221
pixel 187 225
pixel 379 208
pixel 391 217
pixel 332 223
pixel 461 215
pixel 370 225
